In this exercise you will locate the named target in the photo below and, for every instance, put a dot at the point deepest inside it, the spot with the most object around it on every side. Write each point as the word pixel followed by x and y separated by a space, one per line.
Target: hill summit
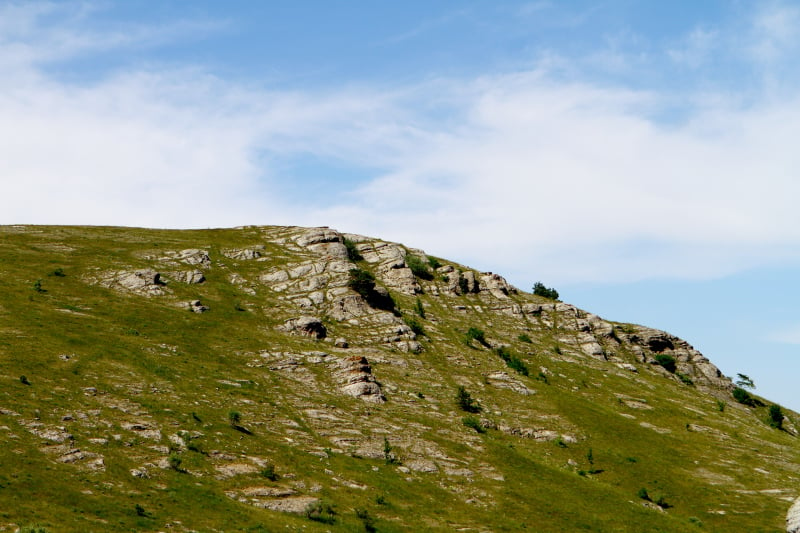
pixel 303 379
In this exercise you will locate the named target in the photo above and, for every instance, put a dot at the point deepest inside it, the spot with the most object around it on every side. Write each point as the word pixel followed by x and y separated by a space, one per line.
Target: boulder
pixel 192 256
pixel 323 241
pixel 243 253
pixel 306 325
pixel 196 306
pixel 144 281
pixel 190 277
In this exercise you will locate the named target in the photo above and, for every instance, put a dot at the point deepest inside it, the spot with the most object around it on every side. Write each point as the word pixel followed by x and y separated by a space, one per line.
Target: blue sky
pixel 638 156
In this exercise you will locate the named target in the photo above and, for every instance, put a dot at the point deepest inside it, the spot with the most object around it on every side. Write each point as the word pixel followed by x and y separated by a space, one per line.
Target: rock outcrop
pixel 793 518
pixel 355 379
pixel 308 326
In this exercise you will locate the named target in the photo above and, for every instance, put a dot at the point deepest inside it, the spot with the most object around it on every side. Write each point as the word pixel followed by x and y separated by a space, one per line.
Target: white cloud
pixel 539 178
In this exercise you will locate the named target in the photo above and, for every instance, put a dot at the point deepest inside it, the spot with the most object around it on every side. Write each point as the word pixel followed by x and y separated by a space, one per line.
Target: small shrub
pixel 321 511
pixel 590 457
pixel 745 398
pixel 667 361
pixel 561 443
pixel 24 380
pixel 140 510
pixel 643 494
pixel 363 283
pixel 661 502
pixel 466 402
pixel 415 325
pixel 776 416
pixel 684 378
pixel 380 499
pixel 696 521
pixel 420 396
pixel 540 290
pixel 419 309
pixel 512 361
pixel 37 286
pixel 721 405
pixel 175 462
pixel 59 273
pixel 543 378
pixel 418 267
pixel 389 457
pixel 524 337
pixel 366 520
pixel 269 472
pixel 463 284
pixel 196 418
pixel 474 423
pixel 352 252
pixel 475 334
pixel 234 417
pixel 433 262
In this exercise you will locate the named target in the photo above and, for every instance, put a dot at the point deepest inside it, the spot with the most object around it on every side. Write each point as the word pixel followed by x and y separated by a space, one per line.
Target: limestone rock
pixel 143 281
pixel 196 306
pixel 355 379
pixel 793 518
pixel 191 256
pixel 496 285
pixel 253 252
pixel 323 241
pixel 190 277
pixel 306 325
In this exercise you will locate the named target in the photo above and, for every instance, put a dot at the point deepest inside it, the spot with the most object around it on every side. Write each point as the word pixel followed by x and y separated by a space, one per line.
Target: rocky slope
pixel 235 380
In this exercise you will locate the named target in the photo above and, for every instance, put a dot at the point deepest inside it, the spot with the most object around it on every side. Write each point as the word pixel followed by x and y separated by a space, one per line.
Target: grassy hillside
pixel 124 408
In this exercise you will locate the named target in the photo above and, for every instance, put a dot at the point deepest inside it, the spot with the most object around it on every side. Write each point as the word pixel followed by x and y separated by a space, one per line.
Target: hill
pixel 299 379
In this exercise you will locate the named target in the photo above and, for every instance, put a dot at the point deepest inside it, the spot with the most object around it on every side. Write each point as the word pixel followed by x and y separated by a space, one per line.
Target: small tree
pixel 548 292
pixel 744 382
pixel 234 417
pixel 418 267
pixel 352 252
pixel 419 309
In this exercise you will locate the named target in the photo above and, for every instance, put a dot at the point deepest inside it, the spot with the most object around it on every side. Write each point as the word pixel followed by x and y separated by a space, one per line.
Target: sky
pixel 638 156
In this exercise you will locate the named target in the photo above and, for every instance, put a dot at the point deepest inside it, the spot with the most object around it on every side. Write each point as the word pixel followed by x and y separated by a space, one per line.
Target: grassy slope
pixel 151 360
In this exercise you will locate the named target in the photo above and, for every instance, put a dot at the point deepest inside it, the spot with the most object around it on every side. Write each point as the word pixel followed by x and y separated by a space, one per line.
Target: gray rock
pixel 243 253
pixel 793 518
pixel 306 325
pixel 355 379
pixel 196 306
pixel 341 342
pixel 191 256
pixel 144 281
pixel 191 277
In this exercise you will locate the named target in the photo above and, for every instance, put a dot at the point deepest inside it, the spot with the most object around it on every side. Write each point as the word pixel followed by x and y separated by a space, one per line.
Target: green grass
pixel 151 361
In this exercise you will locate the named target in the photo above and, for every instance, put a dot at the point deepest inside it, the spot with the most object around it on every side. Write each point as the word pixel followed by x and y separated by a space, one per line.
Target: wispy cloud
pixel 541 176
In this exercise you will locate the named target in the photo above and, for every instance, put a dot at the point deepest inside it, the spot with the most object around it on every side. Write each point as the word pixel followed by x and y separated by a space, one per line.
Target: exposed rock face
pixel 793 518
pixel 355 379
pixel 144 281
pixel 323 241
pixel 190 277
pixel 306 325
pixel 650 342
pixel 253 252
pixel 191 256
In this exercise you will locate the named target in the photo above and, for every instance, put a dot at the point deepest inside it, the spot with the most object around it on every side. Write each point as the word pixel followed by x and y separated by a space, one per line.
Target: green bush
pixel 463 284
pixel 269 472
pixel 466 402
pixel 540 290
pixel 524 337
pixel 512 361
pixel 667 361
pixel 363 283
pixel 321 511
pixel 175 462
pixel 415 325
pixel 475 334
pixel 745 398
pixel 352 252
pixel 419 309
pixel 234 417
pixel 684 378
pixel 433 262
pixel 366 520
pixel 474 423
pixel 24 380
pixel 418 267
pixel 643 494
pixel 776 416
